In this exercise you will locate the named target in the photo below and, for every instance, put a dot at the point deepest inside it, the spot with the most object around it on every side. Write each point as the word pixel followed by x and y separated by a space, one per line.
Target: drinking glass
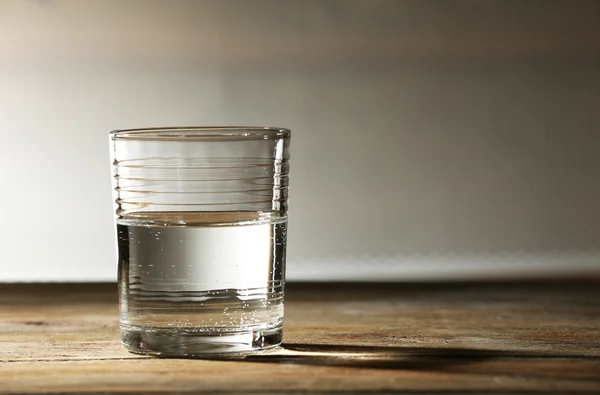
pixel 201 218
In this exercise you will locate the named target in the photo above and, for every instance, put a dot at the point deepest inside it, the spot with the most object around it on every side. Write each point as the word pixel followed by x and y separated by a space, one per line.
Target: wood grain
pixel 359 338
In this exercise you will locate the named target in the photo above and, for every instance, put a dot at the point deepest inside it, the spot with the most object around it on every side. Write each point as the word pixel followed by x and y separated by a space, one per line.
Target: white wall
pixel 431 140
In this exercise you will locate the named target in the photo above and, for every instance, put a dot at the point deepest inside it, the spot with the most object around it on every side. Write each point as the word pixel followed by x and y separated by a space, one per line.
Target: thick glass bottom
pixel 190 343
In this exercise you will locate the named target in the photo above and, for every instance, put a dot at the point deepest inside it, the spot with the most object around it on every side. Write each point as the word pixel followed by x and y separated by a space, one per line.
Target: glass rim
pixel 201 133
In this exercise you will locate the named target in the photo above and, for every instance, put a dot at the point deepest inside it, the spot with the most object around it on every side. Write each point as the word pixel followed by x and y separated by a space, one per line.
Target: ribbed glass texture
pixel 201 169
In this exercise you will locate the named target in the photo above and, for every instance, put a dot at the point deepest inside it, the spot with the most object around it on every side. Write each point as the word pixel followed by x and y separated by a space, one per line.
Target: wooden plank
pixel 498 338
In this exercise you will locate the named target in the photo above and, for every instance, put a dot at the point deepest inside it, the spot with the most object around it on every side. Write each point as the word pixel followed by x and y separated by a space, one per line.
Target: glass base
pixel 189 343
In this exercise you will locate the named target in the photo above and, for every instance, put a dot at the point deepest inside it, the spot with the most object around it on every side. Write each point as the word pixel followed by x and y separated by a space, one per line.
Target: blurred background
pixel 432 139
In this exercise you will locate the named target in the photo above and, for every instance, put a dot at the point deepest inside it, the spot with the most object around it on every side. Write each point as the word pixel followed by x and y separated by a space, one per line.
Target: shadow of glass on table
pixel 405 358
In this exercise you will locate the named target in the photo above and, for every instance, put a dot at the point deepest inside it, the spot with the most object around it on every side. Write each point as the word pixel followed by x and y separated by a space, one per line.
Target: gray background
pixel 431 139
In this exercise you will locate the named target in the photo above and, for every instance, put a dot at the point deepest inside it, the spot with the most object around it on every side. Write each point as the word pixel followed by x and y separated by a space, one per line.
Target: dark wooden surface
pixel 359 338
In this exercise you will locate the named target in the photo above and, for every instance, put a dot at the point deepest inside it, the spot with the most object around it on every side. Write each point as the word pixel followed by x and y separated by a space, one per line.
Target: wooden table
pixel 375 339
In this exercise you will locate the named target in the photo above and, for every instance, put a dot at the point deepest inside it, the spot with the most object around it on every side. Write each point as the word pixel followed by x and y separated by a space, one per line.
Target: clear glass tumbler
pixel 201 216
